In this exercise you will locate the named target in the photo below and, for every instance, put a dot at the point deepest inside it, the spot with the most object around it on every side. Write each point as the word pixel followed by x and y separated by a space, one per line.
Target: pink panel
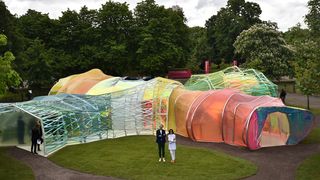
pixel 252 140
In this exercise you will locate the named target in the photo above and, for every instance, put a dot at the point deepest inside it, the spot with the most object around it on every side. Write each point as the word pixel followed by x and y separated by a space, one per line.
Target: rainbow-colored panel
pixel 234 106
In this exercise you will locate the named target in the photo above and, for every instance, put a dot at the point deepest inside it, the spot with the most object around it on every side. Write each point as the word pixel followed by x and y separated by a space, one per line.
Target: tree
pixel 313 17
pixel 36 65
pixel 230 21
pixel 264 49
pixel 162 38
pixel 115 22
pixel 34 25
pixel 200 49
pixel 307 68
pixel 296 34
pixel 8 76
pixel 8 28
pixel 76 43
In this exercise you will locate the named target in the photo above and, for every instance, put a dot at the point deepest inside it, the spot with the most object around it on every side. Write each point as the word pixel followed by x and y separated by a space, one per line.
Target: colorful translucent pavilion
pixel 93 106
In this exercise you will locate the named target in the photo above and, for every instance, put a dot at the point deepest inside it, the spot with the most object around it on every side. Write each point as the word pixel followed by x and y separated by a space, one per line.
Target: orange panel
pixel 82 83
pixel 207 116
pixel 229 116
pixel 192 109
pixel 181 109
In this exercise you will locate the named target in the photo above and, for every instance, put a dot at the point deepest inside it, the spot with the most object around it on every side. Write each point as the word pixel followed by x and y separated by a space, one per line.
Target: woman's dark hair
pixel 171 131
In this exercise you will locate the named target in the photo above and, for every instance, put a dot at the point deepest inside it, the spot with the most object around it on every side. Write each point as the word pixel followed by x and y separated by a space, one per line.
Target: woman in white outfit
pixel 172 145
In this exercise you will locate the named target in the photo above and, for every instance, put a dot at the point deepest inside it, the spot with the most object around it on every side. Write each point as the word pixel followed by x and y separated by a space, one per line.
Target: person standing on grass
pixel 161 140
pixel 172 145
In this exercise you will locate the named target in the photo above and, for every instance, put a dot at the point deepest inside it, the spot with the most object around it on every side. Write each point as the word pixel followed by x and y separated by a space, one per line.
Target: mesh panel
pixel 248 81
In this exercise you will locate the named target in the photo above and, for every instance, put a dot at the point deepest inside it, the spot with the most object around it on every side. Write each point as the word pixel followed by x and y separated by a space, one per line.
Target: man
pixel 35 135
pixel 161 140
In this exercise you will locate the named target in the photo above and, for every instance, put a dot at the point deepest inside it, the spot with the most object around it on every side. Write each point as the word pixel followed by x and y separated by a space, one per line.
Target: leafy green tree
pixel 230 21
pixel 34 25
pixel 8 76
pixel 200 49
pixel 162 38
pixel 38 31
pixel 307 68
pixel 313 17
pixel 36 65
pixel 264 49
pixel 296 34
pixel 76 40
pixel 77 29
pixel 115 23
pixel 8 27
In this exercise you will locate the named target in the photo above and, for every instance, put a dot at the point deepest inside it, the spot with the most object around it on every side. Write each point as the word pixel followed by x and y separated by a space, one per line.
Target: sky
pixel 286 13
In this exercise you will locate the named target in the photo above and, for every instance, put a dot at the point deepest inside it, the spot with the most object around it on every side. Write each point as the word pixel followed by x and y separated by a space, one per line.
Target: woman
pixel 172 145
pixel 40 135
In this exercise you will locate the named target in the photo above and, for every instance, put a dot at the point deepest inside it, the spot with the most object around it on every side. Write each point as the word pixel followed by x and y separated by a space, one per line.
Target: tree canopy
pixel 8 76
pixel 230 21
pixel 162 38
pixel 264 48
pixel 313 17
pixel 150 40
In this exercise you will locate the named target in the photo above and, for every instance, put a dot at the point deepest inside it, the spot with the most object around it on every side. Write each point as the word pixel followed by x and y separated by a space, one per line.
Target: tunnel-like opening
pixel 276 130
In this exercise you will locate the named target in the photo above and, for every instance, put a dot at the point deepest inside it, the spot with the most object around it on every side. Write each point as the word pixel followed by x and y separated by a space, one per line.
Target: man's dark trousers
pixel 161 149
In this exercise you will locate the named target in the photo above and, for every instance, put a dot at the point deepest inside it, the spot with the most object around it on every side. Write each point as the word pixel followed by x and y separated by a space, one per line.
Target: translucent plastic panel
pixel 300 121
pixel 229 115
pixel 101 87
pixel 79 83
pixel 248 81
pixel 181 109
pixel 172 101
pixel 205 116
pixel 15 128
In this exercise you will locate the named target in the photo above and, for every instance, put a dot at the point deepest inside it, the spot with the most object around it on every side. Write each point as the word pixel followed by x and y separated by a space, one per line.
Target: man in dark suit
pixel 35 135
pixel 161 140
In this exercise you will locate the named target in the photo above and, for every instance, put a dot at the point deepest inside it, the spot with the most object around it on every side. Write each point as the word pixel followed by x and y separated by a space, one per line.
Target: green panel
pixel 248 81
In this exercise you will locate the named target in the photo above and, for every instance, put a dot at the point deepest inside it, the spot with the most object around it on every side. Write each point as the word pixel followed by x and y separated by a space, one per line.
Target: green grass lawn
pixel 309 169
pixel 12 169
pixel 136 157
pixel 314 111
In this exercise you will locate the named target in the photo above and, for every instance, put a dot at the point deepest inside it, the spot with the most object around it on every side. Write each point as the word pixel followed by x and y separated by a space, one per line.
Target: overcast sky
pixel 286 13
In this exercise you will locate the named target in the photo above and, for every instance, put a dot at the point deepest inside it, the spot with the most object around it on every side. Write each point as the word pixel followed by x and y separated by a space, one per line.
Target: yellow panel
pixel 172 100
pixel 102 86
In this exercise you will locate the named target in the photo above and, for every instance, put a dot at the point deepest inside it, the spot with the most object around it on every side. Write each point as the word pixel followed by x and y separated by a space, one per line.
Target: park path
pixel 301 100
pixel 44 169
